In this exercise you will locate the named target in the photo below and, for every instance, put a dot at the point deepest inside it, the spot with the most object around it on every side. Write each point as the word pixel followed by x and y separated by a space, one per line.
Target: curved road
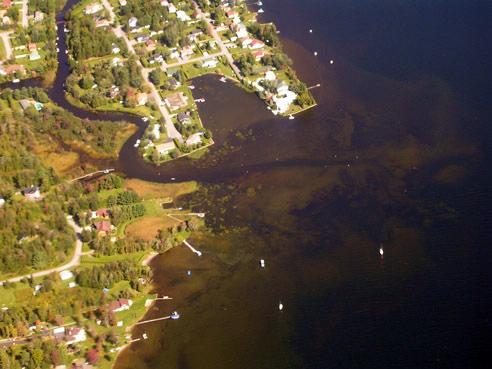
pixel 75 261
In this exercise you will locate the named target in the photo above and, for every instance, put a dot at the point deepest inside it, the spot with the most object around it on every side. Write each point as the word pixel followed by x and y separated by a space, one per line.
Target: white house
pixel 66 274
pixel 182 16
pixel 2 201
pixel 210 63
pixel 194 139
pixel 93 8
pixel 166 147
pixel 75 335
pixel 120 305
pixel 132 22
pixel 284 101
pixel 156 131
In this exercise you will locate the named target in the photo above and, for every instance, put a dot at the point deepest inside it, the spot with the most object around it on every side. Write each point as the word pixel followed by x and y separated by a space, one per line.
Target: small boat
pixel 173 179
pixel 66 51
pixel 261 10
pixel 259 3
pixel 332 61
pixel 57 49
pixel 280 306
pixel 188 273
pixel 17 80
pixel 262 263
pixel 145 119
pixel 192 87
pixel 144 336
pixel 291 117
pixel 315 53
pixel 310 31
pixel 223 79
pixel 137 143
pixel 175 315
pixel 381 251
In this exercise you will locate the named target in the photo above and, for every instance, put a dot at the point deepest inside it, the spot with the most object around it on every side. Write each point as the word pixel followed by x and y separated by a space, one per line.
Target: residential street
pixel 6 42
pixel 75 261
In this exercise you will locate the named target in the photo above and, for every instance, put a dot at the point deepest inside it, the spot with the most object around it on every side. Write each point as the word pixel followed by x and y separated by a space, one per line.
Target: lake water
pixel 394 155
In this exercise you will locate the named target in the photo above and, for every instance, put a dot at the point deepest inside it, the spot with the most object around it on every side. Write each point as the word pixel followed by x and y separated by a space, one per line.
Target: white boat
pixel 261 10
pixel 291 117
pixel 57 49
pixel 259 3
pixel 262 263
pixel 144 336
pixel 280 306
pixel 310 31
pixel 17 80
pixel 192 87
pixel 137 143
pixel 145 119
pixel 332 61
pixel 175 315
pixel 315 53
pixel 173 179
pixel 381 251
pixel 223 79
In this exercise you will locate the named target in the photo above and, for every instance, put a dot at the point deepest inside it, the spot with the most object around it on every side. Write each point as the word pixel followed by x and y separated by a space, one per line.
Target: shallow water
pixel 394 154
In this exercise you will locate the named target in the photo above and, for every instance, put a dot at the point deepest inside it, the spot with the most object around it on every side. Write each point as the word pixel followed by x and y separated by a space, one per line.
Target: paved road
pixel 24 10
pixel 217 38
pixel 5 36
pixel 171 130
pixel 75 261
pixel 194 60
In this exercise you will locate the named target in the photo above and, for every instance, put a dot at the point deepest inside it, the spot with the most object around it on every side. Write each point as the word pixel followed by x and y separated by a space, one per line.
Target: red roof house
pixel 103 226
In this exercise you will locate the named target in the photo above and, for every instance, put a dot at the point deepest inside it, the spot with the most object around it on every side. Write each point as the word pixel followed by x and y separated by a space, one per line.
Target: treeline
pixel 39 354
pixel 105 276
pixel 104 245
pixel 85 40
pixel 59 123
pixel 93 85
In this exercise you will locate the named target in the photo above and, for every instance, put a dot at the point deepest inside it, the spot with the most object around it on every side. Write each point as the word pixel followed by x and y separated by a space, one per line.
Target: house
pixel 210 63
pixel 132 22
pixel 184 118
pixel 241 30
pixel 34 55
pixel 193 36
pixel 172 9
pixel 186 51
pixel 281 87
pixel 114 91
pixel 166 147
pixel 195 138
pixel 93 8
pixel 32 47
pixel 122 2
pixel 156 131
pixel 65 275
pixel 103 226
pixel 270 76
pixel 142 98
pixel 176 101
pixel 38 16
pixel 75 335
pixel 165 3
pixel 231 14
pixel 182 16
pixel 10 69
pixel 2 201
pixel 7 4
pixel 120 305
pixel 284 101
pixel 256 44
pixel 103 213
pixel 150 45
pixel 26 103
pixel 245 42
pixel 173 83
pixel 102 23
pixel 32 193
pixel 258 55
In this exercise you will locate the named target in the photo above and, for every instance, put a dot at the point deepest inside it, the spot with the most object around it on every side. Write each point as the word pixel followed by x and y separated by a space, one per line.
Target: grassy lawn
pixel 147 227
pixel 90 261
pixel 153 190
